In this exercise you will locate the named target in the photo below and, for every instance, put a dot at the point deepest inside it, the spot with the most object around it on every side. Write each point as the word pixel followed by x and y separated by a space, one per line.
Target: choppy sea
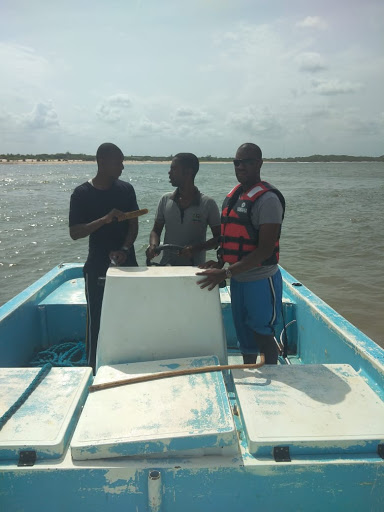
pixel 332 239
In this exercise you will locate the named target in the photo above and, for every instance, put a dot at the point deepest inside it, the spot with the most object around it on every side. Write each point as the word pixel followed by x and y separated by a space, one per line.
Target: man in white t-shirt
pixel 186 214
pixel 252 216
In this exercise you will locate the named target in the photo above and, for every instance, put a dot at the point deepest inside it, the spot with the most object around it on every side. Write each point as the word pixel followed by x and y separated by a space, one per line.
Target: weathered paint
pixel 240 481
pixel 46 421
pixel 177 416
pixel 323 409
pixel 206 484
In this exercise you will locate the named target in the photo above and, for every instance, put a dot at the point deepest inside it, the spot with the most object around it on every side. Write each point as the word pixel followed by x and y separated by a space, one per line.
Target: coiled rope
pixel 19 402
pixel 70 353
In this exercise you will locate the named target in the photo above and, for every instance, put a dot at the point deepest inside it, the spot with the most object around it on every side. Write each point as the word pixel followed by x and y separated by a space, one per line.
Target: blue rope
pixel 70 354
pixel 19 402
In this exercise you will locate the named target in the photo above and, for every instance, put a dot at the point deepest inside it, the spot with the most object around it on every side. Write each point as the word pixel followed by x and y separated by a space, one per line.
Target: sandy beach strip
pixel 77 162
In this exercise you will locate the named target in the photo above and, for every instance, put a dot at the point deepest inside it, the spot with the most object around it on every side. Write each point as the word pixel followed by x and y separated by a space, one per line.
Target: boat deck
pixel 304 430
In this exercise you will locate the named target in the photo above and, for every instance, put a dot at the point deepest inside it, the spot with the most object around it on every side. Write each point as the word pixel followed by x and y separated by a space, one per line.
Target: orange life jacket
pixel 238 235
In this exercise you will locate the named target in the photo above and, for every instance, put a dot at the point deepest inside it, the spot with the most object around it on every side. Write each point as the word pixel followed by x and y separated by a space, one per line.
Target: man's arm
pixel 212 243
pixel 83 230
pixel 120 256
pixel 268 236
pixel 154 239
pixel 133 230
pixel 213 220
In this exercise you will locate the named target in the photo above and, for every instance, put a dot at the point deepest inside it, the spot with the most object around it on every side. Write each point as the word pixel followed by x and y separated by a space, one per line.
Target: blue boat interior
pixel 53 311
pixel 322 402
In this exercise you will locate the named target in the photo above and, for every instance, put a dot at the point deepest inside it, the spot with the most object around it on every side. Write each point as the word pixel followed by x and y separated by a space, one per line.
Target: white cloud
pixel 311 62
pixel 335 87
pixel 145 127
pixel 113 109
pixel 42 116
pixel 317 113
pixel 255 121
pixel 248 40
pixel 312 22
pixel 191 116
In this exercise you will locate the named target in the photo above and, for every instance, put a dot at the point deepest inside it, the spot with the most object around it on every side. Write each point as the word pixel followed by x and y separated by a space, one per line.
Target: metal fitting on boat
pixel 154 491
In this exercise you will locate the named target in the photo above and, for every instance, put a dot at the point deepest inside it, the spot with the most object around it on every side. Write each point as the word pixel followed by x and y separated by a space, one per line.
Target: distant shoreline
pixel 202 161
pixel 66 162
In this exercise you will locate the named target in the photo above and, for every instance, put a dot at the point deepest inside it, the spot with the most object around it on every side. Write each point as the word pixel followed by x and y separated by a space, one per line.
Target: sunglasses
pixel 245 161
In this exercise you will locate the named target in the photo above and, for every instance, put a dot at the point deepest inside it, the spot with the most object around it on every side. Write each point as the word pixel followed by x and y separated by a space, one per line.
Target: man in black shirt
pixel 97 210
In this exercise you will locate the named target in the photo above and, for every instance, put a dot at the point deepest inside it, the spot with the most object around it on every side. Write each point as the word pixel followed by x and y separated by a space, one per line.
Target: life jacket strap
pixel 237 239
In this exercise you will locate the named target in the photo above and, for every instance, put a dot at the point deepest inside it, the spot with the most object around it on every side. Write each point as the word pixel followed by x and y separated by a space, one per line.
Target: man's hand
pixel 211 264
pixel 82 230
pixel 187 252
pixel 118 257
pixel 151 251
pixel 114 215
pixel 212 277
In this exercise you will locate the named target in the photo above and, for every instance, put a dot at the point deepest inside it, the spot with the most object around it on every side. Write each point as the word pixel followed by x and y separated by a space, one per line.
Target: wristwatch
pixel 124 249
pixel 228 273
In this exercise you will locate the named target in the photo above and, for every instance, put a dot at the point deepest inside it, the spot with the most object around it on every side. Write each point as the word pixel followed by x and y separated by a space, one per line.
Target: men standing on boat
pixel 251 222
pixel 186 213
pixel 97 210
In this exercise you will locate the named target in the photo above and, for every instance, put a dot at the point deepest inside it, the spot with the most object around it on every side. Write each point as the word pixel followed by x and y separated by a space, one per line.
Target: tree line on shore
pixel 63 157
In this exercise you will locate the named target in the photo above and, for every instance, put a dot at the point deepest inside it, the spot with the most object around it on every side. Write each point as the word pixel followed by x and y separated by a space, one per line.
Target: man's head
pixel 248 162
pixel 183 169
pixel 109 159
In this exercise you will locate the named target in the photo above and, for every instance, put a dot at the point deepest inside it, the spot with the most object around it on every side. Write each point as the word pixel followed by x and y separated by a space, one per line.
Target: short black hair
pixel 255 148
pixel 188 161
pixel 106 150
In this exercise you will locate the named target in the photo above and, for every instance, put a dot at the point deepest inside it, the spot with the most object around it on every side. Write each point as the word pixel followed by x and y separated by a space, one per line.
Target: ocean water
pixel 332 239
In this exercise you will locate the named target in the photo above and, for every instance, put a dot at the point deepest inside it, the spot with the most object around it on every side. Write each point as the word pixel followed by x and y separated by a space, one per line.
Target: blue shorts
pixel 256 307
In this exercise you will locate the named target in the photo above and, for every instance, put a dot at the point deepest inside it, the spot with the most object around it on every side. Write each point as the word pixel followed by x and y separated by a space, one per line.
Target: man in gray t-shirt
pixel 185 213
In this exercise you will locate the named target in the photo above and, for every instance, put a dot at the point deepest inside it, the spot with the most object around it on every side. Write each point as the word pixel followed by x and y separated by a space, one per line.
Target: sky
pixel 158 77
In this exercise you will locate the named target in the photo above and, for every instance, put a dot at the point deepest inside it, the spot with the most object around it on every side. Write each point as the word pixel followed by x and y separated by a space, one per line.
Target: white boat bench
pixel 154 313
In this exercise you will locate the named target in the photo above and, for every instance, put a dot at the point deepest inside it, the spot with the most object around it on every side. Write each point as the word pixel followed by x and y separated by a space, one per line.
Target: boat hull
pixel 317 475
pixel 331 485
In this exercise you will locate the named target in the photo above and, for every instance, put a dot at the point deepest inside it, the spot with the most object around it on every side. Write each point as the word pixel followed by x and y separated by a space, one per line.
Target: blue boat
pixel 307 434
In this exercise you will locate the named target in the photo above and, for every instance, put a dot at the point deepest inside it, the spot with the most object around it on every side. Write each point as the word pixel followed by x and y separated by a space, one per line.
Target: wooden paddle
pixel 131 215
pixel 176 373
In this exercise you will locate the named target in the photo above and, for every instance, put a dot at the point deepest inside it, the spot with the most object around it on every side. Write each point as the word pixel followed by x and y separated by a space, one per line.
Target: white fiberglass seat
pixel 153 313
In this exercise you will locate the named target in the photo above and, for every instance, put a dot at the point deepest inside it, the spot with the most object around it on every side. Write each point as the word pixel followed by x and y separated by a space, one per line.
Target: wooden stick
pixel 176 373
pixel 134 214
